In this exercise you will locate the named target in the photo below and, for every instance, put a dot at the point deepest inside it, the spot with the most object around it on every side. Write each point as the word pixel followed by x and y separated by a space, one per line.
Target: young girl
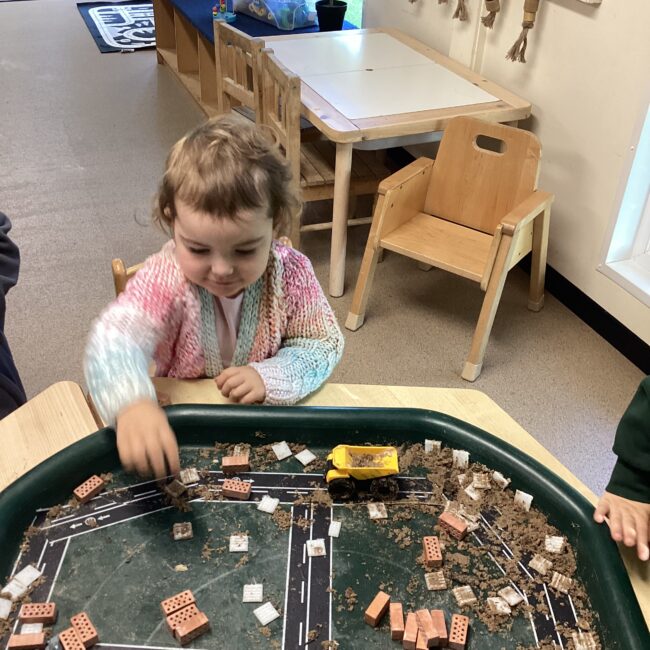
pixel 222 299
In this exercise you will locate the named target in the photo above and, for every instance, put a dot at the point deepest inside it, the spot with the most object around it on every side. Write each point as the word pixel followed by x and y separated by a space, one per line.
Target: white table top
pixel 373 74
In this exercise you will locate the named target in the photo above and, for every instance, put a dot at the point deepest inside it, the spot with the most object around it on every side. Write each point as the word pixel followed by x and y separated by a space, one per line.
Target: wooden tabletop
pixel 49 422
pixel 369 84
pixel 60 416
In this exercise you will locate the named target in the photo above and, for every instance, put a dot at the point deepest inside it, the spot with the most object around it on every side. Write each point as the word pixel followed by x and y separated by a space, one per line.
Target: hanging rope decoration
pixel 493 7
pixel 518 51
pixel 461 11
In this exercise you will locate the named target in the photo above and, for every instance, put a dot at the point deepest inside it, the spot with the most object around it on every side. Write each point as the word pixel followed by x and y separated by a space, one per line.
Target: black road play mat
pixel 120 26
pixel 114 556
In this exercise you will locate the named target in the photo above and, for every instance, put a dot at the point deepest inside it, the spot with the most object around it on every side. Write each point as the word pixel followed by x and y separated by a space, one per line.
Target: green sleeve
pixel 631 475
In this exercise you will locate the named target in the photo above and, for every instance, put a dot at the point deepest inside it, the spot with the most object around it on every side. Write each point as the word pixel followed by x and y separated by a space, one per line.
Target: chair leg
pixel 538 264
pixel 424 267
pixel 474 363
pixel 294 231
pixel 357 312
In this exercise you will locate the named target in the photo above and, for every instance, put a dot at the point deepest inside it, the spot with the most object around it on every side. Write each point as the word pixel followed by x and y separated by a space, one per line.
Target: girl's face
pixel 222 255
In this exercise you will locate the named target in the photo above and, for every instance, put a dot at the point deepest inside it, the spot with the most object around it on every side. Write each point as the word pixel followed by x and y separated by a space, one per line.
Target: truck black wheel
pixel 384 489
pixel 341 488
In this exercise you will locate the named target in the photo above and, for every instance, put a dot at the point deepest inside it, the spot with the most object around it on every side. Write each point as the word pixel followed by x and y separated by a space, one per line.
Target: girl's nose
pixel 221 268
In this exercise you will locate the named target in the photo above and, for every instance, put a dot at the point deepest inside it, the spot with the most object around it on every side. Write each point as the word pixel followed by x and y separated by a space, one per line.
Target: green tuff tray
pixel 600 568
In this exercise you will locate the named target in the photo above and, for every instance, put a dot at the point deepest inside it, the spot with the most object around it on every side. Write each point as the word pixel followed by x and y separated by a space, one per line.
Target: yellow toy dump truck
pixel 362 469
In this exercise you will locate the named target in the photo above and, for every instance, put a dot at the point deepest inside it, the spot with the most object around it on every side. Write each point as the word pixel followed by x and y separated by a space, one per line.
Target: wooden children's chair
pixel 236 59
pixel 474 211
pixel 312 163
pixel 122 274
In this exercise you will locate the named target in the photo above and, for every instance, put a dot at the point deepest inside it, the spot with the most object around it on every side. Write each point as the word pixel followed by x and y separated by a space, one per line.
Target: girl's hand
pixel 145 441
pixel 241 384
pixel 628 521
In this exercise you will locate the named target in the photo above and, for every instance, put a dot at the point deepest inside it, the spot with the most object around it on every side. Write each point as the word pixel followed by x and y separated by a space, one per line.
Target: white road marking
pixel 58 569
pixel 495 561
pixel 311 536
pixel 286 588
pixel 550 607
pixel 40 557
pixel 532 624
pixel 300 631
pixel 573 609
pixel 302 592
pixel 106 505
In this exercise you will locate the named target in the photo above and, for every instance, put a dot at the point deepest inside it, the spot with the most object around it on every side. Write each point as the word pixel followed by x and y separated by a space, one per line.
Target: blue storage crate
pixel 283 14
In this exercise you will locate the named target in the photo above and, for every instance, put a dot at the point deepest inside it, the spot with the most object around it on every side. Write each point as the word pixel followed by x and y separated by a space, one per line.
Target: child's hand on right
pixel 628 521
pixel 145 441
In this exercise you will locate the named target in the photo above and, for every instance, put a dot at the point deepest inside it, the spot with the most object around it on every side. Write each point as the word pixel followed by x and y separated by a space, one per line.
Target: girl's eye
pixel 250 251
pixel 198 251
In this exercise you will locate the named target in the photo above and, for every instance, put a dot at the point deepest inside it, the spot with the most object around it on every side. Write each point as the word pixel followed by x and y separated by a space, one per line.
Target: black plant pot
pixel 330 18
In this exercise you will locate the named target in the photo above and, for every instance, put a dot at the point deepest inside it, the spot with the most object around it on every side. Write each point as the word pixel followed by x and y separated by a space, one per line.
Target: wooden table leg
pixel 343 169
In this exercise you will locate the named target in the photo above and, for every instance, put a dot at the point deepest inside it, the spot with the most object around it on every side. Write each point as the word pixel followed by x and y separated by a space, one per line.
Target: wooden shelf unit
pixel 189 55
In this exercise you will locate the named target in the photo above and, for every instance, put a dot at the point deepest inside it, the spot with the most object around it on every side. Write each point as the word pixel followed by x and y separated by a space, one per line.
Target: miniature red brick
pixel 234 464
pixel 173 604
pixel 180 616
pixel 175 489
pixel 422 642
pixel 453 525
pixel 70 640
pixel 26 641
pixel 192 628
pixel 377 609
pixel 426 628
pixel 458 632
pixel 85 629
pixel 89 489
pixel 38 613
pixel 438 618
pixel 432 552
pixel 236 489
pixel 396 621
pixel 410 632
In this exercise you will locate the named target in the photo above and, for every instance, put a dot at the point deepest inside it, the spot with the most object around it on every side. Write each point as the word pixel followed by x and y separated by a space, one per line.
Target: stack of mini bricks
pixel 234 488
pixel 81 633
pixel 32 617
pixel 184 620
pixel 422 629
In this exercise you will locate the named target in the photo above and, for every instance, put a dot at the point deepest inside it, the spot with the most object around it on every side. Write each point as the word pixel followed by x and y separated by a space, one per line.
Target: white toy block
pixel 266 613
pixel 14 590
pixel 377 511
pixel 281 450
pixel 5 609
pixel 435 581
pixel 481 481
pixel 268 504
pixel 31 628
pixel 511 596
pixel 460 458
pixel 430 445
pixel 306 457
pixel 500 480
pixel 316 547
pixel 540 564
pixel 561 583
pixel 239 543
pixel 523 500
pixel 189 476
pixel 28 575
pixel 584 641
pixel 334 529
pixel 253 593
pixel 464 595
pixel 554 543
pixel 473 493
pixel 498 605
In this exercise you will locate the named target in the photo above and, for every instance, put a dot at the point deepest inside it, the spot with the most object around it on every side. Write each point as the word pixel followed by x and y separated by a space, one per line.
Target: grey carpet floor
pixel 83 138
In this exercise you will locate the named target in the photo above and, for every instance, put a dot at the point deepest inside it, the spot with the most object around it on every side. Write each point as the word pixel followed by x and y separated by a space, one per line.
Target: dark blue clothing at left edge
pixel 12 393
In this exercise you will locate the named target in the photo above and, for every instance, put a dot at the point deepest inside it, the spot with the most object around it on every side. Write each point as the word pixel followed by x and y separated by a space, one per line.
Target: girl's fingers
pixel 231 384
pixel 642 549
pixel 629 529
pixel 616 525
pixel 156 459
pixel 602 509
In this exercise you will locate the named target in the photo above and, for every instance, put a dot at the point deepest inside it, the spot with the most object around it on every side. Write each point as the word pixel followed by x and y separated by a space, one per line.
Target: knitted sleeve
pixel 124 338
pixel 312 344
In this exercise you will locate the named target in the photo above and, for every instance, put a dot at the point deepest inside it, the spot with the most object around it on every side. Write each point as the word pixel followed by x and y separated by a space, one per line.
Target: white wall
pixel 587 76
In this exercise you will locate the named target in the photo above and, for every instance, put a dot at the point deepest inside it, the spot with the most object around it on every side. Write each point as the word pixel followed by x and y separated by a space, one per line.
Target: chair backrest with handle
pixel 236 57
pixel 280 107
pixel 475 186
pixel 122 274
